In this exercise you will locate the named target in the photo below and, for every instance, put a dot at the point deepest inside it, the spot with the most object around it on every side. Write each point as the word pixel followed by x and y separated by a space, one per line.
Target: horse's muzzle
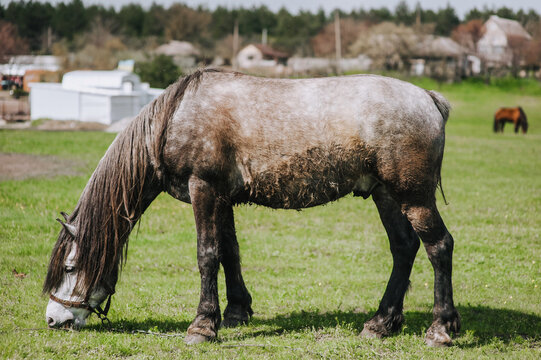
pixel 68 324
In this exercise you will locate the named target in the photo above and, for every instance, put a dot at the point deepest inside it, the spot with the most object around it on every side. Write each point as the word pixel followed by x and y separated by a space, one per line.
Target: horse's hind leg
pixel 206 206
pixel 404 244
pixel 239 301
pixel 438 242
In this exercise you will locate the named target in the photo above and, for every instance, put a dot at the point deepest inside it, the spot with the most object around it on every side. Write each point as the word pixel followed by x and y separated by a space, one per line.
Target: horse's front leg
pixel 404 244
pixel 205 200
pixel 239 301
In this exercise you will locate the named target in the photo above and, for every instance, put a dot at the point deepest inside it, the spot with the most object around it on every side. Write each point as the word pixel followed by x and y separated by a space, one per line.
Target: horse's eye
pixel 69 269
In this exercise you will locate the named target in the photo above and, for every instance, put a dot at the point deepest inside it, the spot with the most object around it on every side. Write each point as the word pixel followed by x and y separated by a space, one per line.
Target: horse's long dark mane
pixel 127 179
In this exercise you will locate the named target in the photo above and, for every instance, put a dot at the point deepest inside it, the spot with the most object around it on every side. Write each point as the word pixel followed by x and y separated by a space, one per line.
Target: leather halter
pixel 101 313
pixel 70 304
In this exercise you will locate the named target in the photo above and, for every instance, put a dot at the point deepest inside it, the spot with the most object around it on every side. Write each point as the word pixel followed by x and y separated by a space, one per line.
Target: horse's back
pixel 507 113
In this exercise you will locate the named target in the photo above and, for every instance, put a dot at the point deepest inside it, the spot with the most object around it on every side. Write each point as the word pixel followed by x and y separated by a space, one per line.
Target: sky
pixel 461 6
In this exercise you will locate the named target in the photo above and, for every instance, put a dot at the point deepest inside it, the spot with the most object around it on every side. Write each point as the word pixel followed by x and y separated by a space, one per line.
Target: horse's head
pixel 524 120
pixel 68 306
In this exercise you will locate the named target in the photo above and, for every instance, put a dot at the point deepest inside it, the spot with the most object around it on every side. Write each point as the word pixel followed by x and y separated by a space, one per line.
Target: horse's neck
pixel 122 186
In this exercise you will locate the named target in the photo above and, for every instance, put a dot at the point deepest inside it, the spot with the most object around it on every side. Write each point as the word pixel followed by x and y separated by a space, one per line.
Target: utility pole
pixel 49 38
pixel 264 37
pixel 235 44
pixel 338 42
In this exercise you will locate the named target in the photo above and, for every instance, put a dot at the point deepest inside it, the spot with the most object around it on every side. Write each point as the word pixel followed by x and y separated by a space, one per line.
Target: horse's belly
pixel 316 177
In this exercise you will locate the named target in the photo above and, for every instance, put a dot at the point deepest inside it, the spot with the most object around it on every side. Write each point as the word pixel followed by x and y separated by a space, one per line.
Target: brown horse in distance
pixel 516 115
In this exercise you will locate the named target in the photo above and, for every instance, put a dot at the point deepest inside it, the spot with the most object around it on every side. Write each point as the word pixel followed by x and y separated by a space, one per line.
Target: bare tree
pixel 468 34
pixel 387 44
pixel 184 23
pixel 323 43
pixel 518 46
pixel 11 43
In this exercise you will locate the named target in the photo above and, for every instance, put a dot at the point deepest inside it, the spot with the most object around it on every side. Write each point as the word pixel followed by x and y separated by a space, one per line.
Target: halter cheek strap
pixel 74 304
pixel 101 313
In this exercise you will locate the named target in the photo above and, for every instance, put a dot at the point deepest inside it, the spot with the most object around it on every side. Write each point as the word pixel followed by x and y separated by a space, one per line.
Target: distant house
pixel 439 57
pixel 495 46
pixel 260 56
pixel 323 66
pixel 94 96
pixel 184 53
pixel 35 66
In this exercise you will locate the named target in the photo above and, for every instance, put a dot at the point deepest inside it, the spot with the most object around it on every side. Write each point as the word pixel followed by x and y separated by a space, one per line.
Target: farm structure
pixel 441 57
pixel 501 36
pixel 184 53
pixel 15 72
pixel 260 55
pixel 91 96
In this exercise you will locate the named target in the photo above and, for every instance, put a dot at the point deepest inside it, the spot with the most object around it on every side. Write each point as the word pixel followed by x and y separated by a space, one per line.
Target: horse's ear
pixel 72 230
pixel 65 215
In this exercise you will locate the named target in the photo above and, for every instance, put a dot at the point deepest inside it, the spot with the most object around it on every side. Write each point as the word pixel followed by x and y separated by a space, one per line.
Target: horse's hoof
pixel 233 322
pixel 236 315
pixel 436 336
pixel 368 333
pixel 194 339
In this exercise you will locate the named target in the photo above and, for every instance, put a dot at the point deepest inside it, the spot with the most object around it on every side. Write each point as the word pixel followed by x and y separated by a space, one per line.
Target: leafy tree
pixel 70 19
pixel 527 19
pixel 293 31
pixel 104 15
pixel 160 72
pixel 380 15
pixel 132 17
pixel 154 23
pixel 447 20
pixel 32 20
pixel 222 23
pixel 402 14
pixel 473 14
pixel 506 12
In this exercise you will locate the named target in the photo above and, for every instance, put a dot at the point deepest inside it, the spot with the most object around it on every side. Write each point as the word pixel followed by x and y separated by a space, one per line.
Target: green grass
pixel 316 275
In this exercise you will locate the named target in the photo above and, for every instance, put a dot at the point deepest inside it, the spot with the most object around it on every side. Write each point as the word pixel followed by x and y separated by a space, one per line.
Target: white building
pixel 18 65
pixel 260 56
pixel 94 96
pixel 495 47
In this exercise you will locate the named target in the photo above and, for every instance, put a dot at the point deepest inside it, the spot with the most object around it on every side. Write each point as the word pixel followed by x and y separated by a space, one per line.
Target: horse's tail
pixel 441 103
pixel 524 119
pixel 444 107
pixel 496 125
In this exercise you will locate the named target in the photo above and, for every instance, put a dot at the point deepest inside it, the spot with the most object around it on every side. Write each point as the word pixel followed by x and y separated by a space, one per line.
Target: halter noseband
pixel 101 313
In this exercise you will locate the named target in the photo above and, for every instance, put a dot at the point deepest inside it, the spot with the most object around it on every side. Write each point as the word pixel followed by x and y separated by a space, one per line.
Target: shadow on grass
pixel 484 323
pixel 164 326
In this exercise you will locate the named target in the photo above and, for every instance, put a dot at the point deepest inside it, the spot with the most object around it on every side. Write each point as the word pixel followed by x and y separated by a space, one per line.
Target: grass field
pixel 315 276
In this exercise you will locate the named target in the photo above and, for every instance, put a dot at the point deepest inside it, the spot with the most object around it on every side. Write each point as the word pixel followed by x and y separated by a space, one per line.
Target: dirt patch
pixel 68 125
pixel 64 125
pixel 24 166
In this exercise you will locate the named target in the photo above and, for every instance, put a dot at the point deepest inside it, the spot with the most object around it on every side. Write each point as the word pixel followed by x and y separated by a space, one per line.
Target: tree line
pixel 37 25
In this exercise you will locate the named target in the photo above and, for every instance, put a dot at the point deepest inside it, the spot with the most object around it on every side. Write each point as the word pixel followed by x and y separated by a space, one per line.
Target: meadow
pixel 315 275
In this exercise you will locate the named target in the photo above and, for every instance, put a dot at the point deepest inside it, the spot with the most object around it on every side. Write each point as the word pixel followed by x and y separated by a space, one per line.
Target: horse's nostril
pixel 50 321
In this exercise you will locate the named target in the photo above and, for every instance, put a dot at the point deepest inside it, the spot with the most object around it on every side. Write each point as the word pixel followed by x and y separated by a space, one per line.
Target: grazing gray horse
pixel 215 139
